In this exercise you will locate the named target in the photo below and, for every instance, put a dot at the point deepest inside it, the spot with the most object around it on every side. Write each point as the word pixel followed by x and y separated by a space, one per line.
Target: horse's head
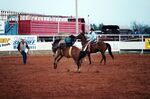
pixel 72 36
pixel 82 37
pixel 55 45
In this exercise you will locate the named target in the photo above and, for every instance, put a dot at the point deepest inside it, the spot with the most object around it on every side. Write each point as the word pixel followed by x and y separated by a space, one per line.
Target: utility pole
pixel 76 8
pixel 88 23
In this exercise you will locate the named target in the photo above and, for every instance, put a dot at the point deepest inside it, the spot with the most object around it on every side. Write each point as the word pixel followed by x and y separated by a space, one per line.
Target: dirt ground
pixel 127 77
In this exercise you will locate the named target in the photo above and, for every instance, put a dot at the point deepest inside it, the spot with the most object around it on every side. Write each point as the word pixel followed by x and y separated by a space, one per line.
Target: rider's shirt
pixel 91 37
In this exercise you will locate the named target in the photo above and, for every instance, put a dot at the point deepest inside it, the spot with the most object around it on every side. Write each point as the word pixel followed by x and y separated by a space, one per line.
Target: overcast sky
pixel 120 12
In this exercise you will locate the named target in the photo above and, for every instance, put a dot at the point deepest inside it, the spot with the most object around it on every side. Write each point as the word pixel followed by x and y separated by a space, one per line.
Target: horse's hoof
pixel 104 63
pixel 78 71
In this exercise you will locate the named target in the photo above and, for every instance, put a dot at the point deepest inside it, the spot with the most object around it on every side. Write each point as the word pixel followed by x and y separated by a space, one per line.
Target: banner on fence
pixel 2 27
pixel 31 41
pixel 5 43
pixel 10 43
pixel 147 43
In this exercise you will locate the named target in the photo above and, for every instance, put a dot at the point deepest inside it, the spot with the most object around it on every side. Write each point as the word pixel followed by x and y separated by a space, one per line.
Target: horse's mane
pixel 72 36
pixel 81 36
pixel 56 41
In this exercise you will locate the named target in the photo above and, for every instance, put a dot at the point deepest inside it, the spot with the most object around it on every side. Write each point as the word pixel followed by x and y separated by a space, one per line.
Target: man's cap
pixel 22 39
pixel 91 29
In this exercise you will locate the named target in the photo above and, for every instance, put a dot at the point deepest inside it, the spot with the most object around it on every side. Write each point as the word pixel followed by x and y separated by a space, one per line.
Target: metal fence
pixel 120 42
pixel 138 43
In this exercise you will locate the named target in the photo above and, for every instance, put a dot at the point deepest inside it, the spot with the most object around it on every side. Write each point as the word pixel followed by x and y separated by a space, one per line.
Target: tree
pixel 147 30
pixel 94 26
pixel 99 27
pixel 139 28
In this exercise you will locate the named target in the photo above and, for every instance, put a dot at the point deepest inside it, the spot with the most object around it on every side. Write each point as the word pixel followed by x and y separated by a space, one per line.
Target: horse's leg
pixel 57 60
pixel 79 65
pixel 103 58
pixel 57 56
pixel 55 65
pixel 89 56
pixel 78 62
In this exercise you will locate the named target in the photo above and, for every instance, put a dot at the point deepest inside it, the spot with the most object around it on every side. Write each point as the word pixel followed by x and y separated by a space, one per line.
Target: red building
pixel 42 25
pixel 48 25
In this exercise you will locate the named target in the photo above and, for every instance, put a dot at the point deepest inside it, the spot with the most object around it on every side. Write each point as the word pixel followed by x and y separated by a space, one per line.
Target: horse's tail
pixel 109 50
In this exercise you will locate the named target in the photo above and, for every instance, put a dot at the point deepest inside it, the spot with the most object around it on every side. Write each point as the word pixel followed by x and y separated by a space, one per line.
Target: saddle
pixel 90 45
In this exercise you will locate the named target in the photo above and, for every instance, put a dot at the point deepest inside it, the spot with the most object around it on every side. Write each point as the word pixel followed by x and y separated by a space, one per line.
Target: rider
pixel 67 42
pixel 70 40
pixel 91 38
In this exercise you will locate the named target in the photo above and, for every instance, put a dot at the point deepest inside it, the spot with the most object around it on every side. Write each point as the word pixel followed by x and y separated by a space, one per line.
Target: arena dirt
pixel 125 77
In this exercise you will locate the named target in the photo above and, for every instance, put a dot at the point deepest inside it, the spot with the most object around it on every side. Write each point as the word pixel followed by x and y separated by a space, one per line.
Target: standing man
pixel 22 47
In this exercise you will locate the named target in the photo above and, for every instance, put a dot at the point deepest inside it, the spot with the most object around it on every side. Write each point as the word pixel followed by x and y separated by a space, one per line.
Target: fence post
pixel 9 52
pixel 142 45
pixel 58 28
pixel 97 37
pixel 119 43
pixel 53 38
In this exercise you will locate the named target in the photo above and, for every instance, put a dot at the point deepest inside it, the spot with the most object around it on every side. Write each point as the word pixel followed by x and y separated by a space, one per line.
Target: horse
pixel 95 47
pixel 67 51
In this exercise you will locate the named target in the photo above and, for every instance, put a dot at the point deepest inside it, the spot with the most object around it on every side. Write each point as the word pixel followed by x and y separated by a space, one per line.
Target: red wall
pixel 37 27
pixel 24 27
